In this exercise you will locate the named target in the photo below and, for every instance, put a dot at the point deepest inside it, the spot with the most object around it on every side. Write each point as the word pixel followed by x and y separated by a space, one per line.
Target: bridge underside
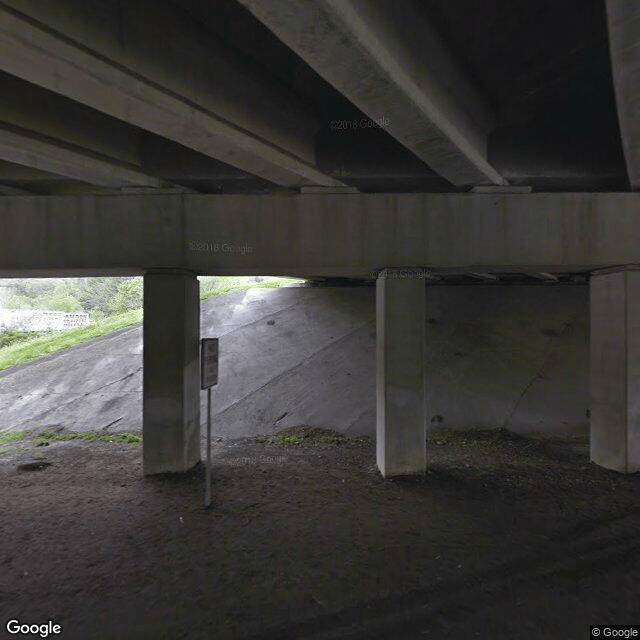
pixel 329 139
pixel 404 242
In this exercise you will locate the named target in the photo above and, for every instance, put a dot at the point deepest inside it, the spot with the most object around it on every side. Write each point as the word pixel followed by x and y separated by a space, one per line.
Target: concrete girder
pixel 6 190
pixel 623 18
pixel 129 63
pixel 395 68
pixel 351 235
pixel 30 150
pixel 49 115
pixel 10 172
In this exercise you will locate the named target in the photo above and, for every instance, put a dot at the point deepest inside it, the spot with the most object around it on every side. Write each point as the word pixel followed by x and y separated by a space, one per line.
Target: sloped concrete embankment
pixel 496 356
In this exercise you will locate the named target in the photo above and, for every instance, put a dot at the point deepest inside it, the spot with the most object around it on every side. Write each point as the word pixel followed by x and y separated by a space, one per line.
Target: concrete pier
pixel 171 389
pixel 400 375
pixel 615 370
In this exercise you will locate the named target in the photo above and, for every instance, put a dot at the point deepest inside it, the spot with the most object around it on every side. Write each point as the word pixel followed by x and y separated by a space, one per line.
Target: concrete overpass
pixel 330 138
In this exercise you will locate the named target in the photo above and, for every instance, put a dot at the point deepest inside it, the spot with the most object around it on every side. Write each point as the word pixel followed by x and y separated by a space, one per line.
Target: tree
pixel 99 297
pixel 95 294
pixel 59 298
pixel 128 296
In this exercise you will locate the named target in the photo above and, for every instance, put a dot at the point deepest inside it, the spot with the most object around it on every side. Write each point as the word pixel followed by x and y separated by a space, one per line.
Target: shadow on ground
pixel 504 537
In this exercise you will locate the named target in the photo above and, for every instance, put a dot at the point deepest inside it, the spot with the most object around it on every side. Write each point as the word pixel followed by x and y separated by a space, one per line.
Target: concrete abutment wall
pixel 495 356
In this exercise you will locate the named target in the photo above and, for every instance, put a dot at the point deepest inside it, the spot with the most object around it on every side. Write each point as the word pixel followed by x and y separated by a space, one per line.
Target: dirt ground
pixel 504 537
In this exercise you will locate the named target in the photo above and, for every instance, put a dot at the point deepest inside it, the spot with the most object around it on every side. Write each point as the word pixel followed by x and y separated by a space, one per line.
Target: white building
pixel 39 320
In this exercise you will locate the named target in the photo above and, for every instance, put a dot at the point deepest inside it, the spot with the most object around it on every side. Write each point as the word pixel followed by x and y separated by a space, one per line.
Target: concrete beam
pixel 623 18
pixel 615 370
pixel 30 108
pixel 6 190
pixel 30 150
pixel 325 235
pixel 395 68
pixel 128 60
pixel 10 172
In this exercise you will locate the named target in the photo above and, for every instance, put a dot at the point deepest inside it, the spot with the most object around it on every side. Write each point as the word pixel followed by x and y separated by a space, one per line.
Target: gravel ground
pixel 504 537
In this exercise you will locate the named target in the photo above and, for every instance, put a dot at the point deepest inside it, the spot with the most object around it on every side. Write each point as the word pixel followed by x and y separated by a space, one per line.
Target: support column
pixel 400 338
pixel 615 369
pixel 171 383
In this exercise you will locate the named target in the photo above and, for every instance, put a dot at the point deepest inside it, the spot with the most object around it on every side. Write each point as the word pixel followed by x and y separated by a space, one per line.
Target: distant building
pixel 39 320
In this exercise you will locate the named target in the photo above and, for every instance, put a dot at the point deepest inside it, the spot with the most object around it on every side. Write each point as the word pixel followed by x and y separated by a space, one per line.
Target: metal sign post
pixel 208 378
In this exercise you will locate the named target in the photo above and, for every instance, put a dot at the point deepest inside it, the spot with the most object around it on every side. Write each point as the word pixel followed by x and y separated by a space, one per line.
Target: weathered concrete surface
pixel 128 60
pixel 171 372
pixel 496 356
pixel 94 386
pixel 294 356
pixel 615 370
pixel 56 157
pixel 623 17
pixel 393 65
pixel 317 235
pixel 400 375
pixel 514 357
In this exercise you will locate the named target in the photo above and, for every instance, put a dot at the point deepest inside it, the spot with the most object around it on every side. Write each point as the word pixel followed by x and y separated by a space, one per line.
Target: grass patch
pixel 287 441
pixel 17 449
pixel 232 283
pixel 19 353
pixel 9 337
pixel 15 354
pixel 47 437
pixel 13 436
pixel 314 436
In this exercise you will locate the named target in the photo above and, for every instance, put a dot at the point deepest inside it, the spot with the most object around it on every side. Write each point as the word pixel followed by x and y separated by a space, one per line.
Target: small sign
pixel 209 362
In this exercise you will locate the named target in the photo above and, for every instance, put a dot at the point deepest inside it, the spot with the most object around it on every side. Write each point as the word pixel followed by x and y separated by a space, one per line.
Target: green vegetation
pixel 104 296
pixel 212 286
pixel 112 304
pixel 55 294
pixel 314 436
pixel 13 436
pixel 13 449
pixel 287 440
pixel 128 296
pixel 15 336
pixel 19 353
pixel 43 438
pixel 47 436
